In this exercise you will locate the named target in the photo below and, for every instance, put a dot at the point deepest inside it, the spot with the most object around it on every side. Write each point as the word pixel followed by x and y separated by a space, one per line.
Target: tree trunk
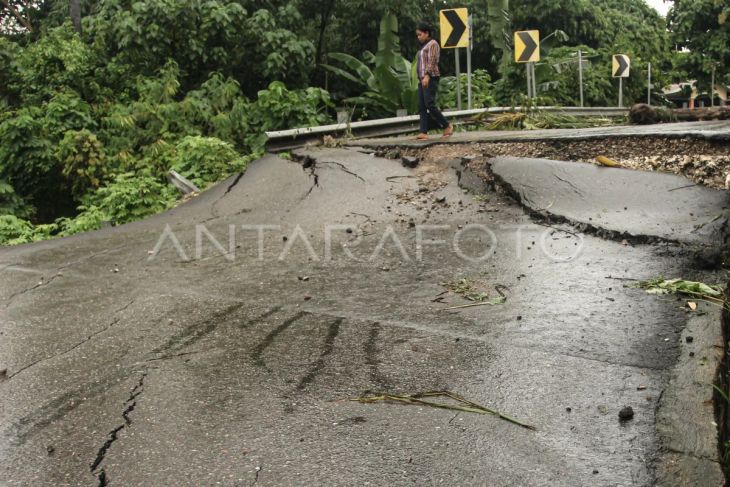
pixel 324 22
pixel 75 8
pixel 643 114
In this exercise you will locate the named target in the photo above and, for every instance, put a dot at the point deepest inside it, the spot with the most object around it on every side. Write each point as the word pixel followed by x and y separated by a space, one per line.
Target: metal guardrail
pixel 292 138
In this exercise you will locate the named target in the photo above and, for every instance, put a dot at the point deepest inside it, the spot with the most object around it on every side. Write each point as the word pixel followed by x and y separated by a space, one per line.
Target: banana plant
pixel 388 79
pixel 545 71
pixel 499 20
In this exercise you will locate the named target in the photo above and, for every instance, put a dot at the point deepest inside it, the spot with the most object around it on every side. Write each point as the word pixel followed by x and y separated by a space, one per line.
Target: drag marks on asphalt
pixel 332 331
pixel 195 332
pixel 258 351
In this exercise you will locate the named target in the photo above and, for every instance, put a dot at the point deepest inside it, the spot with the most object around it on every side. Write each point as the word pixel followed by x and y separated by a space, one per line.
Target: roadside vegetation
pixel 96 107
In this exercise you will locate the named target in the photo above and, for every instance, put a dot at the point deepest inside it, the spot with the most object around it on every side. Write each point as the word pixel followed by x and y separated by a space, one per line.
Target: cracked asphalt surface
pixel 135 361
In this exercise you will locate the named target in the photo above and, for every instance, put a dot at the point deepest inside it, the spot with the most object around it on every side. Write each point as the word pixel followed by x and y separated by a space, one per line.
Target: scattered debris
pixel 303 278
pixel 3 374
pixel 409 161
pixel 439 297
pixel 626 414
pixel 704 162
pixel 692 305
pixel 472 290
pixel 605 161
pixel 491 302
pixel 462 404
pixel 689 339
pixel 534 119
pixel 307 297
pixel 700 226
pixel 641 388
pixel 705 292
pixel 329 141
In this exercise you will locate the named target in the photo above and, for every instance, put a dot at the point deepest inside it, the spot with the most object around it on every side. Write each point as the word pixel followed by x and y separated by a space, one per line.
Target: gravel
pixel 701 161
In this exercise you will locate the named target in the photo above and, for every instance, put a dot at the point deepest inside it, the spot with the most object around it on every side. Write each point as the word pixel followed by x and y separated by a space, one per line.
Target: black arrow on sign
pixel 530 46
pixel 622 66
pixel 457 24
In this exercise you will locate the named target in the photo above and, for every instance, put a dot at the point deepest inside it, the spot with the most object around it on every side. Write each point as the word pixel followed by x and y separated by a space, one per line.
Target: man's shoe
pixel 422 137
pixel 448 131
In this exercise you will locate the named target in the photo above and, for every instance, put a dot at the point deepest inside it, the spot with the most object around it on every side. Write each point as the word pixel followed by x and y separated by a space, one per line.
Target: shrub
pixel 89 218
pixel 14 230
pixel 129 197
pixel 84 161
pixel 11 203
pixel 205 160
pixel 482 90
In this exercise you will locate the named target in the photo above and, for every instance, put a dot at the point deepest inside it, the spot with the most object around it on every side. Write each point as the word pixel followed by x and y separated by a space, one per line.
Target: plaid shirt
pixel 428 59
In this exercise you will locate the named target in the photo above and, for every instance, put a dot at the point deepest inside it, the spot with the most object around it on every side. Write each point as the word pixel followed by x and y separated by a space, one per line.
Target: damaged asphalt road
pixel 136 357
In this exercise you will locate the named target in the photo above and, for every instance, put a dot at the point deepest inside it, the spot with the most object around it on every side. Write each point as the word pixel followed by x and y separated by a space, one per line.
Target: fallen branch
pixel 491 302
pixel 466 405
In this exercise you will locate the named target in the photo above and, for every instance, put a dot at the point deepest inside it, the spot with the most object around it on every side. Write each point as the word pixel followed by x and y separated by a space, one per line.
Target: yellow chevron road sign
pixel 454 28
pixel 527 46
pixel 621 66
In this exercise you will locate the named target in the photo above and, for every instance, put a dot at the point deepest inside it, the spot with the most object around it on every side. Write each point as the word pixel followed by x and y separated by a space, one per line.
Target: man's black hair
pixel 426 28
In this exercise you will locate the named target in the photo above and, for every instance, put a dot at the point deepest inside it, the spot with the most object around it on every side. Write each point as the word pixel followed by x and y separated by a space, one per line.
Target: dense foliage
pixel 389 80
pixel 91 123
pixel 98 103
pixel 600 28
pixel 702 28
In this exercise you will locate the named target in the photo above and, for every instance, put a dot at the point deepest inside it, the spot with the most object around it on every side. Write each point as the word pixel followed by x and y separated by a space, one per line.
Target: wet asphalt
pixel 136 357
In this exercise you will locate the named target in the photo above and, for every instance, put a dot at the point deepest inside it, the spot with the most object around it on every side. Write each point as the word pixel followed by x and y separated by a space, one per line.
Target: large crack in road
pixel 267 349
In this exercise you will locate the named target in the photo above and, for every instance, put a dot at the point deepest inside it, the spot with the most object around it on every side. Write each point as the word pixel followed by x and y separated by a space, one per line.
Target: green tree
pixel 601 27
pixel 201 37
pixel 701 28
pixel 391 84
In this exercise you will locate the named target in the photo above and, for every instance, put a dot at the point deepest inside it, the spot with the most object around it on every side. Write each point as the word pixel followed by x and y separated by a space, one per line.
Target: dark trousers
pixel 427 106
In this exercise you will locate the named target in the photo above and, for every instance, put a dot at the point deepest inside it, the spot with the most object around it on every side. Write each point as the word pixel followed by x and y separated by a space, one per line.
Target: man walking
pixel 428 82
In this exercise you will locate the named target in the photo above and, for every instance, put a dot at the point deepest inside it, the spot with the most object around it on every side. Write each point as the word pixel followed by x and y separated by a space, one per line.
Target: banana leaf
pixel 344 74
pixel 388 42
pixel 357 66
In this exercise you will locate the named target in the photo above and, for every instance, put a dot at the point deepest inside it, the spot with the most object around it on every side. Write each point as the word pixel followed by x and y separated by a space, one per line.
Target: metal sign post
pixel 712 89
pixel 621 69
pixel 580 76
pixel 458 79
pixel 620 92
pixel 527 50
pixel 468 65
